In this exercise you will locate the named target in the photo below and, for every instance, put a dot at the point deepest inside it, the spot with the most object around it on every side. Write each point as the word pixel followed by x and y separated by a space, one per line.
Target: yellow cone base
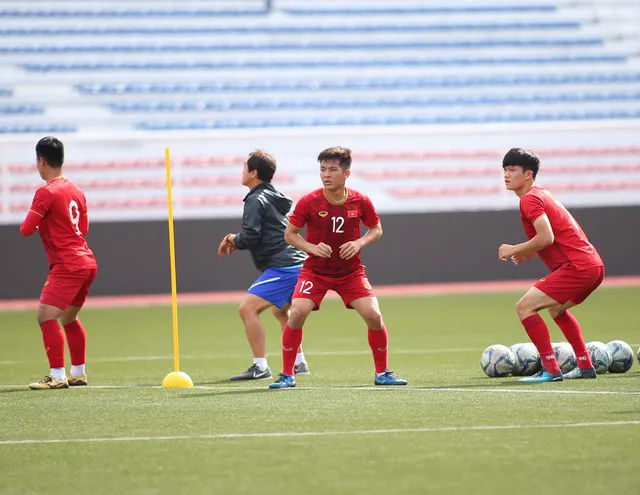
pixel 177 379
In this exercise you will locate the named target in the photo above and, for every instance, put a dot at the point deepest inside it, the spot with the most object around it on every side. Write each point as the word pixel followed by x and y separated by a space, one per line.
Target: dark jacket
pixel 264 221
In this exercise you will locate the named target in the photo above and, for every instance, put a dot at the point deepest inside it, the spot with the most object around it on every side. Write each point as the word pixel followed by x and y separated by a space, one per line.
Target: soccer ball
pixel 600 356
pixel 565 356
pixel 497 360
pixel 621 356
pixel 527 359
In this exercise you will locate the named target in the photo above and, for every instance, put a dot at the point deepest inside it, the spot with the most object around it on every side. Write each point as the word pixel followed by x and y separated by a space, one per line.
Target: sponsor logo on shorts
pixel 46 283
pixel 542 279
pixel 367 285
pixel 323 213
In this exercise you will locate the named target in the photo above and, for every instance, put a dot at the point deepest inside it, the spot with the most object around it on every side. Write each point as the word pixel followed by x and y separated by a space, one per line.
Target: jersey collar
pixel 346 196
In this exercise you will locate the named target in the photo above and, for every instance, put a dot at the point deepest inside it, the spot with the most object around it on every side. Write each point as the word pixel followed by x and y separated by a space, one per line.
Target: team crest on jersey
pixel 323 213
pixel 352 214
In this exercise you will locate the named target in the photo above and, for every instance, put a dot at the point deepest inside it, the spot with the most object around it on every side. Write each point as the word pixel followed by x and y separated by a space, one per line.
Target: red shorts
pixel 64 288
pixel 349 288
pixel 568 284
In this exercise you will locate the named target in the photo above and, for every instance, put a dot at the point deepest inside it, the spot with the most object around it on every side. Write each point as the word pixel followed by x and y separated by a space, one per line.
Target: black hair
pixel 51 150
pixel 520 157
pixel 337 153
pixel 264 163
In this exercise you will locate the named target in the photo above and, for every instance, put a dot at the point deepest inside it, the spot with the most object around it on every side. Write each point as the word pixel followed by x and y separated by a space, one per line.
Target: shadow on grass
pixel 222 391
pixel 14 390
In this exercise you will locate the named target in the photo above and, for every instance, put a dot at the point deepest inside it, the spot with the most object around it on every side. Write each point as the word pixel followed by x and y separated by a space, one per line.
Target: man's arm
pixel 544 237
pixel 292 236
pixel 349 249
pixel 251 226
pixel 30 224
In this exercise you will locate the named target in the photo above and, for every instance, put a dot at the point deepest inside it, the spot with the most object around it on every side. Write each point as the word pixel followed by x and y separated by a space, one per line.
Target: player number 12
pixel 338 223
pixel 305 287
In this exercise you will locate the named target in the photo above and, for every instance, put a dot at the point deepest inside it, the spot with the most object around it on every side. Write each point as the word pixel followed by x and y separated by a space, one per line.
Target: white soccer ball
pixel 497 360
pixel 621 356
pixel 565 356
pixel 600 356
pixel 527 359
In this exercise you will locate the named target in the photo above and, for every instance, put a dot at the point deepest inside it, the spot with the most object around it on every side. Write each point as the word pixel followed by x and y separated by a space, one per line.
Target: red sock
pixel 539 334
pixel 571 330
pixel 291 340
pixel 53 343
pixel 77 341
pixel 379 342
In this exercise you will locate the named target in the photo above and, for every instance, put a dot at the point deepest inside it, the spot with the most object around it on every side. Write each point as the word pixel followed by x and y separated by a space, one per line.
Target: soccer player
pixel 59 214
pixel 576 267
pixel 263 223
pixel 332 215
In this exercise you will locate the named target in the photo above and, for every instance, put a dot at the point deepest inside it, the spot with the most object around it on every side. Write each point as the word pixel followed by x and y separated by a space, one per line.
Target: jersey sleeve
pixel 370 217
pixel 84 219
pixel 300 215
pixel 532 207
pixel 41 202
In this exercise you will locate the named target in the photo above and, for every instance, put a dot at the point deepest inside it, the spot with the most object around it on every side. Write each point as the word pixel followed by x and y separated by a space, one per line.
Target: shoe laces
pixel 282 378
pixel 47 379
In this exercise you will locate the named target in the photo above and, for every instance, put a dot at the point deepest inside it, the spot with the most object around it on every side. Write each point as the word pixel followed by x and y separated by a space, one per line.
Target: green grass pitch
pixel 452 430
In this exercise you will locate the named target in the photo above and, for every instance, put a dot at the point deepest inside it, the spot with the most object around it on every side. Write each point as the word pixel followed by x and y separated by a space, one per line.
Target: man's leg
pixel 369 309
pixel 282 315
pixel 76 335
pixel 292 339
pixel 527 308
pixel 53 339
pixel 250 309
pixel 77 342
pixel 572 332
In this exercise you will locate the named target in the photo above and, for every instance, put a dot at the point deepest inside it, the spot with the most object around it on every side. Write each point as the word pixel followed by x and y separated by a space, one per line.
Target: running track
pixel 384 290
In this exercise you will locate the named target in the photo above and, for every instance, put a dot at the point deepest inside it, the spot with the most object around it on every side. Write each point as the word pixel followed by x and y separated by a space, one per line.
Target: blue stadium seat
pixel 126 13
pixel 392 120
pixel 36 128
pixel 310 63
pixel 357 84
pixel 387 102
pixel 21 109
pixel 6 91
pixel 461 9
pixel 299 46
pixel 286 29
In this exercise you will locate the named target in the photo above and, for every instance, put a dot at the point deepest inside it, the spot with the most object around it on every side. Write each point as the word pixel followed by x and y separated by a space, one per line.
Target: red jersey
pixel 334 225
pixel 62 207
pixel 570 243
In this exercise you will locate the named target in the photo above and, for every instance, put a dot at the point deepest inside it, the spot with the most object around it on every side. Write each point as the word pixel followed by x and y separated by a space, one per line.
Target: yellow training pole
pixel 176 379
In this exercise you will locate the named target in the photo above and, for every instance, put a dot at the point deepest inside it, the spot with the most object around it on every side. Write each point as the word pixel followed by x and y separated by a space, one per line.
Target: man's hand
pixel 322 250
pixel 506 251
pixel 227 245
pixel 522 257
pixel 349 249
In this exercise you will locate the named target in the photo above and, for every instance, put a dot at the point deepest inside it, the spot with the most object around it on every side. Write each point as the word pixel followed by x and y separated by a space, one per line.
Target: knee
pixel 374 320
pixel 524 309
pixel 297 317
pixel 247 311
pixel 46 313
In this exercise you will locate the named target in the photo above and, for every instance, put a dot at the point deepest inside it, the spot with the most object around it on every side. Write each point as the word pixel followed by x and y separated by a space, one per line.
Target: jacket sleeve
pixel 251 224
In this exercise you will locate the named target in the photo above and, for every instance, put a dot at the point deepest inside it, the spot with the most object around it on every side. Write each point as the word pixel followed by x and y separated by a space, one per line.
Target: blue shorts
pixel 276 285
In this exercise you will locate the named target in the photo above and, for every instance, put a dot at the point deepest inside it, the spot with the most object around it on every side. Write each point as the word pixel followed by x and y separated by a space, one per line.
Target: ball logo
pixel 323 213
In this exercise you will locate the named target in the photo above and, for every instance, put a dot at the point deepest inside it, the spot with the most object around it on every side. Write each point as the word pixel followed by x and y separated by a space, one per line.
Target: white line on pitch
pixel 217 436
pixel 223 388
